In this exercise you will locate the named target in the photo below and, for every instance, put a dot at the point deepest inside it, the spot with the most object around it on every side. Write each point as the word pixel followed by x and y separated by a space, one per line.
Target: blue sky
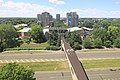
pixel 84 8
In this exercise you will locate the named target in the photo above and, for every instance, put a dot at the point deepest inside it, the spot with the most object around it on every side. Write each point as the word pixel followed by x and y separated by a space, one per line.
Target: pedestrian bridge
pixel 76 68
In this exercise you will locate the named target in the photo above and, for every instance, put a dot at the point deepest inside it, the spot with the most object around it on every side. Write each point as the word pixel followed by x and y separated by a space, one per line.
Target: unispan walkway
pixel 77 70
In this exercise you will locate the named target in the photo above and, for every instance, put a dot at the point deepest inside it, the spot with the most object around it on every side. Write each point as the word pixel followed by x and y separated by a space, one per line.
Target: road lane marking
pixel 41 60
pixel 27 60
pixel 62 59
pixel 1 61
pixel 47 60
pixel 32 60
pixel 37 60
pixel 22 60
pixel 52 60
pixel 57 60
pixel 11 61
pixel 17 60
pixel 6 61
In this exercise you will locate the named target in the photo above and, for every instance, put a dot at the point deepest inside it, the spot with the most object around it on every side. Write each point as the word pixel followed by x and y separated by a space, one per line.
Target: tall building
pixel 39 17
pixel 57 16
pixel 72 19
pixel 45 18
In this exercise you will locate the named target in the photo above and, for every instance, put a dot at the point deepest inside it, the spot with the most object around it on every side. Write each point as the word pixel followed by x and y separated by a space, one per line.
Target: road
pixel 97 74
pixel 55 75
pixel 61 55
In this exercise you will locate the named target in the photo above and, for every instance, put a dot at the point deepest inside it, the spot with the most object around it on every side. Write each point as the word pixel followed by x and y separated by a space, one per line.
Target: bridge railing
pixel 76 67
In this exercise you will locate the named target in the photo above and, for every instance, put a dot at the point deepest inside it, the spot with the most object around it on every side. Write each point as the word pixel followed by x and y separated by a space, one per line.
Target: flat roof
pixel 26 29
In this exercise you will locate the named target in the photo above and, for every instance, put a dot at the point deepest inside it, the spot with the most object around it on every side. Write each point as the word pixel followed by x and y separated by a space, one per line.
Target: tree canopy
pixel 8 36
pixel 37 34
pixel 14 71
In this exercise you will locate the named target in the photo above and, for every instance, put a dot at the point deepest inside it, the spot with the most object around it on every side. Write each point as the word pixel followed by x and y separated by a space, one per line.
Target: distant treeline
pixel 15 21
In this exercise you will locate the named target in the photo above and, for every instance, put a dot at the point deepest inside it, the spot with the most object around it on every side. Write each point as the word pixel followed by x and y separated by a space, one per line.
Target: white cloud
pixel 59 2
pixel 21 9
pixel 1 2
pixel 95 13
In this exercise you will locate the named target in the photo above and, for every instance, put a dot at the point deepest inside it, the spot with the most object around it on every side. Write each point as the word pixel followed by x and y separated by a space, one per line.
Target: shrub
pixel 52 48
pixel 14 71
pixel 77 46
pixel 87 43
pixel 97 43
pixel 117 42
pixel 108 44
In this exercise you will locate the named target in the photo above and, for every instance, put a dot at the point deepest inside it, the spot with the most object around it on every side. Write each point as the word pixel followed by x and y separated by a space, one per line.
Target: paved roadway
pixel 59 55
pixel 98 74
pixel 55 75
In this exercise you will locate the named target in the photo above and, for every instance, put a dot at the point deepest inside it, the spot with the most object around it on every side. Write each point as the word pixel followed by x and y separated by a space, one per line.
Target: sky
pixel 84 8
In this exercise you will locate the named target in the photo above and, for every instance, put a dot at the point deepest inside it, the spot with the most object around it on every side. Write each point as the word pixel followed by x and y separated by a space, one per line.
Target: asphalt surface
pixel 97 74
pixel 57 75
pixel 92 74
pixel 61 55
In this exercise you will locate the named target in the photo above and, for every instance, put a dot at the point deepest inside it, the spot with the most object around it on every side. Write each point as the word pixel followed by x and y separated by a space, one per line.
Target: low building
pixel 24 32
pixel 48 30
pixel 82 31
pixel 18 25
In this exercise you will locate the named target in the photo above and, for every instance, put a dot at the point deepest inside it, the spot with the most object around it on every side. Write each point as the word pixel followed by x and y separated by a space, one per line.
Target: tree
pixel 108 44
pixel 114 32
pixel 72 38
pixel 8 36
pixel 14 71
pixel 97 43
pixel 54 38
pixel 60 23
pixel 101 34
pixel 77 46
pixel 87 23
pixel 117 42
pixel 87 43
pixel 37 34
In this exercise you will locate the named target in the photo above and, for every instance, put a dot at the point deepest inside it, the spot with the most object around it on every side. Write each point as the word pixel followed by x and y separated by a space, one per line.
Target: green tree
pixel 117 42
pixel 97 43
pixel 87 23
pixel 60 23
pixel 77 46
pixel 14 71
pixel 8 36
pixel 101 34
pixel 72 38
pixel 114 32
pixel 37 34
pixel 87 43
pixel 108 44
pixel 53 39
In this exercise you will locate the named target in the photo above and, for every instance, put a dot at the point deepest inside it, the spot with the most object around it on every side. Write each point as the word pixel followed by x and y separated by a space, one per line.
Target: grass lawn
pixel 88 64
pixel 99 50
pixel 45 66
pixel 31 46
pixel 106 63
pixel 34 45
pixel 26 52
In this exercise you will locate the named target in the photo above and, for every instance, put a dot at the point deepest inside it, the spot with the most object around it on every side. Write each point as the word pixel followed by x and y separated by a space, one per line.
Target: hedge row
pixel 41 48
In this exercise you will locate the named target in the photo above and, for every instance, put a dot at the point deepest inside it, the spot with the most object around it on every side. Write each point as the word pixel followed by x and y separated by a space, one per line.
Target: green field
pixel 34 45
pixel 106 63
pixel 45 66
pixel 31 46
pixel 100 50
pixel 88 64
